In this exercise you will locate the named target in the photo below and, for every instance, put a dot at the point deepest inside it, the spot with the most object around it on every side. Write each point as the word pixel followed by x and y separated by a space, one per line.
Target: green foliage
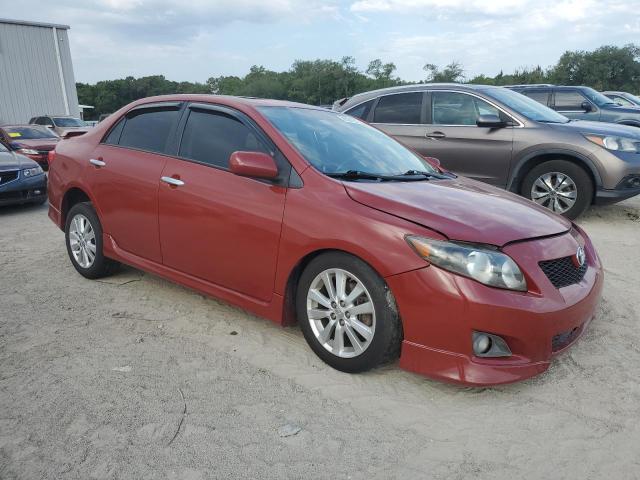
pixel 321 82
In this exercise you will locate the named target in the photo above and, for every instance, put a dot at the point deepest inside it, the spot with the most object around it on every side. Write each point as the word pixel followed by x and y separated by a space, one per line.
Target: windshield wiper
pixel 356 175
pixel 403 177
pixel 413 173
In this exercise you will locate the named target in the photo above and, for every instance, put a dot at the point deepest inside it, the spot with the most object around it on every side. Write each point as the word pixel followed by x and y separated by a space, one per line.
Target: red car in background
pixel 298 213
pixel 31 141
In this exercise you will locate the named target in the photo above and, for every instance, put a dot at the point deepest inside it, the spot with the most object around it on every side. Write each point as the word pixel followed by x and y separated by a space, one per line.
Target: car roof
pixel 229 100
pixel 415 87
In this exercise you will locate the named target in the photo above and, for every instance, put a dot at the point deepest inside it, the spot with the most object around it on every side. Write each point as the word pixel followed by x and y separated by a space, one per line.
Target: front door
pixel 461 146
pixel 214 225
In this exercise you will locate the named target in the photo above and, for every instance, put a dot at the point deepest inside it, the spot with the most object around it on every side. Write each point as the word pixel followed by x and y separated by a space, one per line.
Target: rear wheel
pixel 561 186
pixel 83 234
pixel 347 313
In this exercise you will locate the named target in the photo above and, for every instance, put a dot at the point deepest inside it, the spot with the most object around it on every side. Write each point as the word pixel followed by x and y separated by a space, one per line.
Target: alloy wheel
pixel 82 240
pixel 555 191
pixel 341 313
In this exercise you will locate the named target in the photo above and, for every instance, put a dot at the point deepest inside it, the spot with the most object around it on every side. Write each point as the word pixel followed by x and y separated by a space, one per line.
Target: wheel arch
pixel 72 196
pixel 289 304
pixel 525 164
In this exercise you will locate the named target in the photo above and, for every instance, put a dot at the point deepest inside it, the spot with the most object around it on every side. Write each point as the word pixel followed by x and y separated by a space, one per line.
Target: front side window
pixel 540 96
pixel 622 101
pixel 524 105
pixel 361 111
pixel 569 101
pixel 403 108
pixel 148 129
pixel 211 137
pixel 336 143
pixel 454 108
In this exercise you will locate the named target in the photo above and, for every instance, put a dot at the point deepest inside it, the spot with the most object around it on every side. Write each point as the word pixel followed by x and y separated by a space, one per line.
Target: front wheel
pixel 561 186
pixel 83 235
pixel 347 313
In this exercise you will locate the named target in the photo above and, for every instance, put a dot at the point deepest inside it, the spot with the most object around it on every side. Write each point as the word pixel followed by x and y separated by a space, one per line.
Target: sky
pixel 197 39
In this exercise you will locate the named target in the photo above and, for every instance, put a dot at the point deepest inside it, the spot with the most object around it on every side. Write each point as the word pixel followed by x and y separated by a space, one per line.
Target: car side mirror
pixel 586 106
pixel 490 121
pixel 253 164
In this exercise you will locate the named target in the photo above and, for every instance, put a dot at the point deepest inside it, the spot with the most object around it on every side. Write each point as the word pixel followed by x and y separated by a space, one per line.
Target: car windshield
pixel 68 122
pixel 525 106
pixel 29 133
pixel 336 143
pixel 3 148
pixel 596 97
pixel 633 98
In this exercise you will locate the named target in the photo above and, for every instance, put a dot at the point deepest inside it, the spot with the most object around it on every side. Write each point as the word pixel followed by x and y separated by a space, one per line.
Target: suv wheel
pixel 347 314
pixel 559 185
pixel 83 234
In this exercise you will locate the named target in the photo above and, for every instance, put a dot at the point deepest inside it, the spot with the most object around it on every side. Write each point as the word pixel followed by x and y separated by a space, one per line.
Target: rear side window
pixel 569 100
pixel 211 137
pixel 399 108
pixel 538 95
pixel 361 111
pixel 148 129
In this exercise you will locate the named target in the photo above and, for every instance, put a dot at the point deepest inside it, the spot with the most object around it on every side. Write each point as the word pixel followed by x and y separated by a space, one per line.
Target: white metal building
pixel 36 73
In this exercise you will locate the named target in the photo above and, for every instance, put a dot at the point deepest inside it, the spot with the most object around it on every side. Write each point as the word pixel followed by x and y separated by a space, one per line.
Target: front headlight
pixel 27 151
pixel 32 172
pixel 612 142
pixel 482 264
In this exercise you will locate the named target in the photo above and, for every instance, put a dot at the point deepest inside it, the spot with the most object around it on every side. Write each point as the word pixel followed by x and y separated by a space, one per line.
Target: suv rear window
pixel 148 129
pixel 399 108
pixel 361 111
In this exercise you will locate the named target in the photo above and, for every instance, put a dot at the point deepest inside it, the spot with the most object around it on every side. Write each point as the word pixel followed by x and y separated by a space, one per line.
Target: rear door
pixel 571 103
pixel 454 138
pixel 124 174
pixel 214 225
pixel 402 116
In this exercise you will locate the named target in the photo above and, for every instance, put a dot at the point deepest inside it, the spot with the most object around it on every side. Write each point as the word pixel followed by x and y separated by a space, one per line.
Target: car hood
pixel 38 144
pixel 461 209
pixel 14 161
pixel 602 128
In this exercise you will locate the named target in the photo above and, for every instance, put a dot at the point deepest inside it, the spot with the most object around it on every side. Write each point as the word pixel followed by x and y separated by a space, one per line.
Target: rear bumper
pixel 606 197
pixel 440 311
pixel 29 190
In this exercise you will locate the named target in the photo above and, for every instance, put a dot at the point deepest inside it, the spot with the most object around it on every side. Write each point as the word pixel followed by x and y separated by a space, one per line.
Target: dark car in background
pixel 32 141
pixel 581 103
pixel 624 99
pixel 63 125
pixel 21 179
pixel 498 136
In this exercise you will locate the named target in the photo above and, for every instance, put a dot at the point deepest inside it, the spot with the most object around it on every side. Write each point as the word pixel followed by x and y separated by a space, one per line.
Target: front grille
pixel 562 272
pixel 9 176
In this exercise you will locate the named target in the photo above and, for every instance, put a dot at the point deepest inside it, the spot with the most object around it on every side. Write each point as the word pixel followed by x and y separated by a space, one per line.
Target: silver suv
pixel 501 137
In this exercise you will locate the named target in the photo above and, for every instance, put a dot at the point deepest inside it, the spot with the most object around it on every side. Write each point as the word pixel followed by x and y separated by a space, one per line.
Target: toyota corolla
pixel 304 215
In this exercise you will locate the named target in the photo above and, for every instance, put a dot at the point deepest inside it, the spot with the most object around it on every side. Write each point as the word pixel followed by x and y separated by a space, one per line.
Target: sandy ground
pixel 95 378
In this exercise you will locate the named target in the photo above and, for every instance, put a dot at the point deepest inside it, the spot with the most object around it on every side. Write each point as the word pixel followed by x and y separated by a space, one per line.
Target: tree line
pixel 321 82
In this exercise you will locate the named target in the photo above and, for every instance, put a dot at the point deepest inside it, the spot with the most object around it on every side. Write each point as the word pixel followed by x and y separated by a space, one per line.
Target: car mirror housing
pixel 490 121
pixel 253 164
pixel 586 106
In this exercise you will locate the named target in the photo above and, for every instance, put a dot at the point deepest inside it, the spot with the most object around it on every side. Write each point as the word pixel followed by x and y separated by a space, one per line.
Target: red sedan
pixel 30 140
pixel 301 214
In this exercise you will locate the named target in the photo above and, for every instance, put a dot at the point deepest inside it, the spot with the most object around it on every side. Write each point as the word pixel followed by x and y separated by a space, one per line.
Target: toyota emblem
pixel 580 256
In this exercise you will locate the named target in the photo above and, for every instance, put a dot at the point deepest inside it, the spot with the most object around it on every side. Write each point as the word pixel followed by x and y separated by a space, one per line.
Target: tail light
pixel 51 156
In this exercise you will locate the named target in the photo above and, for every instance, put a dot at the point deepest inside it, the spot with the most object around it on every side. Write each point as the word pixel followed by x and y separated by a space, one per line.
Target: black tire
pixel 101 266
pixel 387 336
pixel 579 176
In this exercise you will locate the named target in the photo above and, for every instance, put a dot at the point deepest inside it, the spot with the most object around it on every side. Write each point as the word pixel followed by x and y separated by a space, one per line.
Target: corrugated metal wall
pixel 29 73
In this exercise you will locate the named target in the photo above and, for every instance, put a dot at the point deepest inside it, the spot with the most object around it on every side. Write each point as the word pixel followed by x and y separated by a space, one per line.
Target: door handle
pixel 435 135
pixel 97 163
pixel 172 181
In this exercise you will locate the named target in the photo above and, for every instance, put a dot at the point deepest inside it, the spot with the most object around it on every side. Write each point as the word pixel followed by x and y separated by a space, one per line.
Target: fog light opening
pixel 489 345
